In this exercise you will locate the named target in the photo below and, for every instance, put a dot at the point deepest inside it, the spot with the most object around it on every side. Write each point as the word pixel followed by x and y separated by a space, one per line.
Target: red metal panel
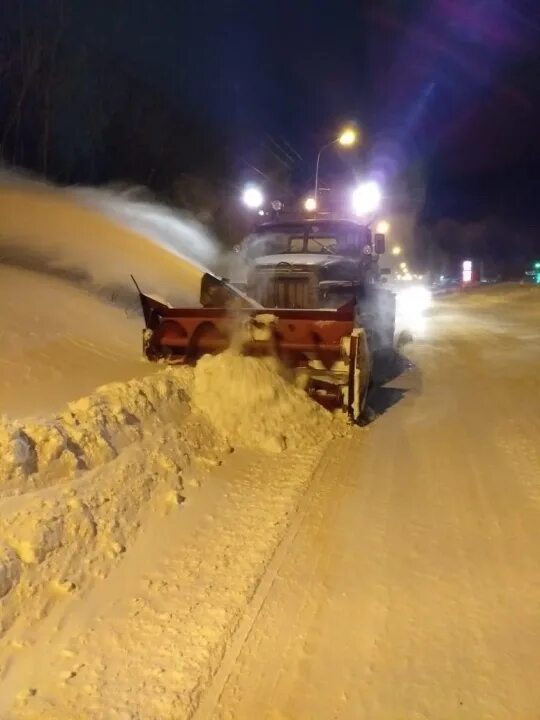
pixel 295 333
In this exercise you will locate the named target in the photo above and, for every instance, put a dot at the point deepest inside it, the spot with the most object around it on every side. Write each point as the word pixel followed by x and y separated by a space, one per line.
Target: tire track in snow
pixel 152 634
pixel 212 695
pixel 321 509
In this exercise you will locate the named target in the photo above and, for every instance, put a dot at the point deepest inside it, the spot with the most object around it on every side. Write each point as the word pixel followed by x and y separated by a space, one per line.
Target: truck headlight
pixel 414 300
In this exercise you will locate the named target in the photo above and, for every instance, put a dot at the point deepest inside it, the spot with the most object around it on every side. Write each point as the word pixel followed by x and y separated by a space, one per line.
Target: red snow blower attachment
pixel 328 355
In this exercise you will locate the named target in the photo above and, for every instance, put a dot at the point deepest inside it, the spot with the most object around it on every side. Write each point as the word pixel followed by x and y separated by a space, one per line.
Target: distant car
pixel 445 284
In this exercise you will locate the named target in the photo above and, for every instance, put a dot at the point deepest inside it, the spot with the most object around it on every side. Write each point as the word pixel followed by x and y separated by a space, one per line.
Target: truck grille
pixel 288 291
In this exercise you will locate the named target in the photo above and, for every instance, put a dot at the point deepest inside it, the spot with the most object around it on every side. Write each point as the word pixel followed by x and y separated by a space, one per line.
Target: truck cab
pixel 321 263
pixel 310 263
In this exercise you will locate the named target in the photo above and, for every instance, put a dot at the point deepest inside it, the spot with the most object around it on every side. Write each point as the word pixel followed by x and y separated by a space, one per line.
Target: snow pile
pixel 90 432
pixel 251 402
pixel 77 482
pixel 75 487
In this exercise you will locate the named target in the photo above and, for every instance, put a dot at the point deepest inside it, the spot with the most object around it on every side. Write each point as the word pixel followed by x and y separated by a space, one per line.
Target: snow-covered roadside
pixel 97 492
pixel 73 487
pixel 59 342
pixel 146 642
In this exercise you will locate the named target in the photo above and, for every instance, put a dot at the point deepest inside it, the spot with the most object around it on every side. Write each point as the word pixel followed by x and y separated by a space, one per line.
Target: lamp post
pixel 347 138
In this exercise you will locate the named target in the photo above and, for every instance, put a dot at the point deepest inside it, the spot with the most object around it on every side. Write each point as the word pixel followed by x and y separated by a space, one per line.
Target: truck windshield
pixel 301 240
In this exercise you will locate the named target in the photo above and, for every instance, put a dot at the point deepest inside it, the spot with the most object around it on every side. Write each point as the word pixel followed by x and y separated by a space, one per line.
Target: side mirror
pixel 379 243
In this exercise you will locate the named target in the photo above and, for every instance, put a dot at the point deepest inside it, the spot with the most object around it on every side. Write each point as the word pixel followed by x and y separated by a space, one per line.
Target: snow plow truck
pixel 310 294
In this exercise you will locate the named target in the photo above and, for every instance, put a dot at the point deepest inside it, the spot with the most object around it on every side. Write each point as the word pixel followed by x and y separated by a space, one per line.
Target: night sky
pixel 449 88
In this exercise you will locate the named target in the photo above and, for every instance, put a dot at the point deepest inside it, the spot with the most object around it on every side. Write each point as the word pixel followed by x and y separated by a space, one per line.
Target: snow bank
pixel 251 402
pixel 57 541
pixel 60 342
pixel 75 487
pixel 89 433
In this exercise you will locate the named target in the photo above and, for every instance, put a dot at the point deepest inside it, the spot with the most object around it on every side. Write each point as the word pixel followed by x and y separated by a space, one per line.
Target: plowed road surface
pixel 408 586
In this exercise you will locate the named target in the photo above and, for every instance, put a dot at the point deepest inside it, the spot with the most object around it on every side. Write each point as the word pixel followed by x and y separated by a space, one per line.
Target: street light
pixel 347 138
pixel 396 250
pixel 383 227
pixel 310 204
pixel 252 197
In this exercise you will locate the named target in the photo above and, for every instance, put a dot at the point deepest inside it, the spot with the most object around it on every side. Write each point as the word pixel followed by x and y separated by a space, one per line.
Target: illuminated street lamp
pixel 310 204
pixel 347 138
pixel 252 197
pixel 396 250
pixel 383 226
pixel 366 198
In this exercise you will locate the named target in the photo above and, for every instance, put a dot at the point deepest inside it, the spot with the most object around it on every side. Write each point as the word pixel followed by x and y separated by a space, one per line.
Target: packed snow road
pixel 409 584
pixel 148 572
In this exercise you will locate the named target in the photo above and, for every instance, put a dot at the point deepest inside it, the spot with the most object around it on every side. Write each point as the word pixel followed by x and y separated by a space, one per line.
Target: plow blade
pixel 321 346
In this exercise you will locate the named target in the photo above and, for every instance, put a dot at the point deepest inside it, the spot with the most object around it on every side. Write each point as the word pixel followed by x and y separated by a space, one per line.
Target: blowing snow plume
pixel 65 261
pixel 99 238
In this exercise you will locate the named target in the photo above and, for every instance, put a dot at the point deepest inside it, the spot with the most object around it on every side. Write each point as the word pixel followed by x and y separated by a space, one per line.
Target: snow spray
pixel 97 238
